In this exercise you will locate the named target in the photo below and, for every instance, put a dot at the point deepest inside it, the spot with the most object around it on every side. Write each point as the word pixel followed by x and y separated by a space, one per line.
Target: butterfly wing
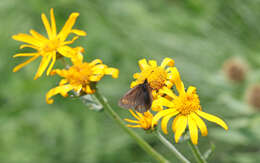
pixel 129 99
pixel 139 98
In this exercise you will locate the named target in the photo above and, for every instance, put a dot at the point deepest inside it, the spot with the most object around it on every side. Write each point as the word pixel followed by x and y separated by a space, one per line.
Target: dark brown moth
pixel 138 98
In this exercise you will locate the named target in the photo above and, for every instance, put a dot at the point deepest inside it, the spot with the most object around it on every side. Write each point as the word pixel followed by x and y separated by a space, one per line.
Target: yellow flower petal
pixel 101 67
pixel 78 88
pixel 193 130
pixel 57 71
pixel 38 36
pixel 133 84
pixel 27 39
pixel 178 82
pixel 71 41
pixel 63 81
pixel 52 63
pixel 29 46
pixel 174 76
pixel 53 24
pixel 171 75
pixel 171 70
pixel 95 78
pixel 143 64
pixel 169 84
pixel 161 101
pixel 174 123
pixel 95 62
pixel 134 126
pixel 66 51
pixel 140 115
pixel 79 32
pixel 153 63
pixel 68 26
pixel 47 26
pixel 25 54
pixel 148 114
pixel 112 71
pixel 18 67
pixel 43 65
pixel 165 121
pixel 54 91
pixel 167 62
pixel 162 113
pixel 136 75
pixel 156 108
pixel 131 121
pixel 133 114
pixel 98 72
pixel 181 125
pixel 88 90
pixel 212 118
pixel 168 92
pixel 77 57
pixel 200 123
pixel 191 90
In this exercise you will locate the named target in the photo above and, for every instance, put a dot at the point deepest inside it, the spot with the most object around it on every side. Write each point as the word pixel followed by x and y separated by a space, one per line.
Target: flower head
pixel 49 47
pixel 157 77
pixel 186 107
pixel 80 77
pixel 143 120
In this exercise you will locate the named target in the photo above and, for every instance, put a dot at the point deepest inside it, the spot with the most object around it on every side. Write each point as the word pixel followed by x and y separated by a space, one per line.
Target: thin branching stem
pixel 196 153
pixel 172 148
pixel 129 131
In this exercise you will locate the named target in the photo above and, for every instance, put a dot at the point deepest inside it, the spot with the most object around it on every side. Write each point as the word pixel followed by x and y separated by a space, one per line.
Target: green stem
pixel 210 151
pixel 136 137
pixel 172 148
pixel 196 153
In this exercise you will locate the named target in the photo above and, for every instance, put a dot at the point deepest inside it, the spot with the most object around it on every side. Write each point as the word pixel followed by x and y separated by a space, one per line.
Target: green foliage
pixel 198 34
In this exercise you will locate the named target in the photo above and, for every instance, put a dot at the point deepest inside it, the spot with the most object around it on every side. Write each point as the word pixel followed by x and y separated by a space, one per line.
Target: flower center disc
pixel 51 45
pixel 156 77
pixel 187 103
pixel 80 74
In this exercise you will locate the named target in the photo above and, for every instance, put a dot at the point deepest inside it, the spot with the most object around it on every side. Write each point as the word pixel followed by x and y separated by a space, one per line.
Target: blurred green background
pixel 199 35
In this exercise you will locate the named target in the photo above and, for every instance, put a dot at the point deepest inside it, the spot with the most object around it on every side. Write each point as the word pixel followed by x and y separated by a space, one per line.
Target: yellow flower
pixel 80 77
pixel 158 77
pixel 143 120
pixel 186 107
pixel 49 47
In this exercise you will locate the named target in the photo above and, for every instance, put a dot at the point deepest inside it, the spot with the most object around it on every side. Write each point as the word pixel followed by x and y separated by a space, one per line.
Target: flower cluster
pixel 170 98
pixel 184 105
pixel 81 76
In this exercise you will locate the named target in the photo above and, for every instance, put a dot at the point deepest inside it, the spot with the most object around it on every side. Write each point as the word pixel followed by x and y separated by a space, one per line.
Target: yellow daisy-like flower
pixel 158 77
pixel 49 47
pixel 143 120
pixel 80 77
pixel 186 107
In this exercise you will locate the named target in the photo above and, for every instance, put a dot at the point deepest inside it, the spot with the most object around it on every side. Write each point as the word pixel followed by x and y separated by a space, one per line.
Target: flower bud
pixel 235 69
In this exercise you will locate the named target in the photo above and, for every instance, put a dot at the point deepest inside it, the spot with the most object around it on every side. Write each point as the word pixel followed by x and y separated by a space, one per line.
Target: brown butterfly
pixel 140 98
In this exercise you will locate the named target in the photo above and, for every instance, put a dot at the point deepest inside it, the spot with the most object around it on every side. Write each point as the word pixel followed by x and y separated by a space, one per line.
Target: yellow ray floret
pixel 49 47
pixel 142 120
pixel 186 107
pixel 80 77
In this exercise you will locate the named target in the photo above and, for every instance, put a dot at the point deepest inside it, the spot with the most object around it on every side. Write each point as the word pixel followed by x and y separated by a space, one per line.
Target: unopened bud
pixel 235 69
